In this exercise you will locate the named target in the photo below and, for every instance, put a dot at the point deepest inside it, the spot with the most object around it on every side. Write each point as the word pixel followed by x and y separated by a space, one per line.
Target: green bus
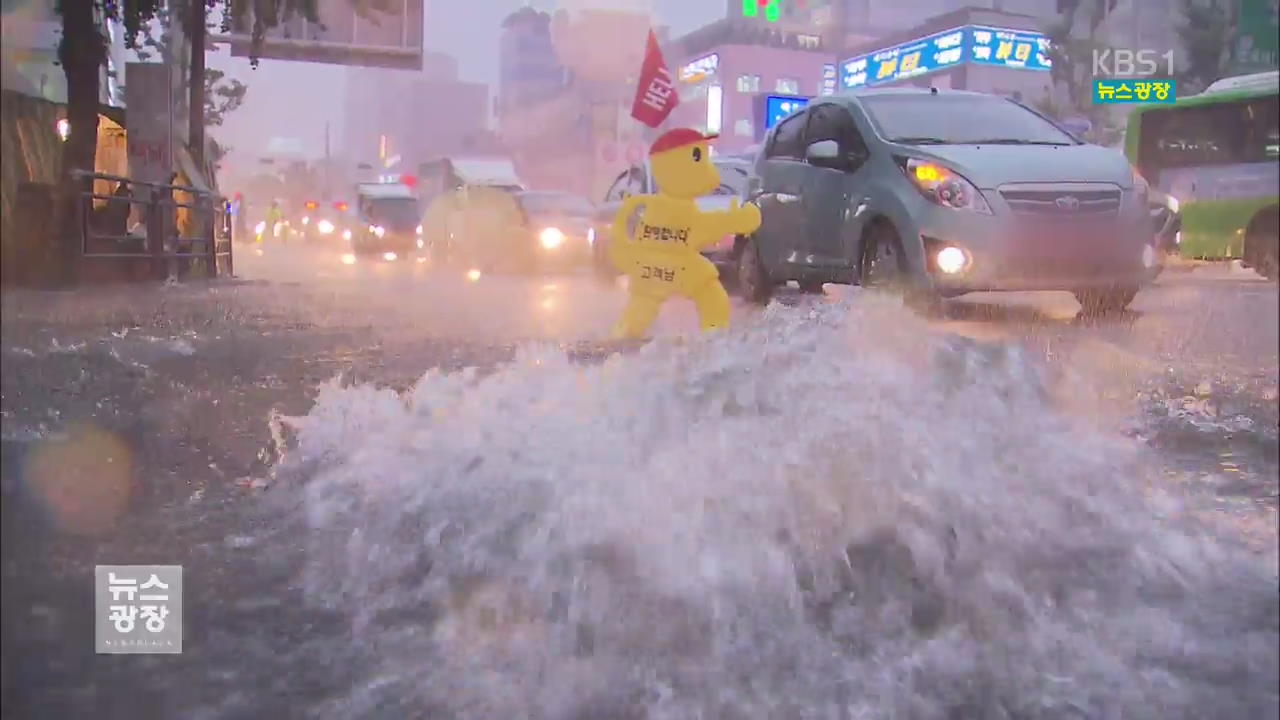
pixel 1215 156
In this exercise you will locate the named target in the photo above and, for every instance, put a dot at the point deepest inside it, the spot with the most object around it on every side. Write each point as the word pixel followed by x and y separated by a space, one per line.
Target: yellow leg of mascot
pixel 713 306
pixel 664 255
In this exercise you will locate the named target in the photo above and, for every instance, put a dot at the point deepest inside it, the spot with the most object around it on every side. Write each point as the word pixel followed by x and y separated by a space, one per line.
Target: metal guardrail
pixel 145 225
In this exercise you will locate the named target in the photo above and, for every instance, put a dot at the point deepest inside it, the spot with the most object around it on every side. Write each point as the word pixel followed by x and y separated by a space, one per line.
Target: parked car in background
pixel 638 180
pixel 940 193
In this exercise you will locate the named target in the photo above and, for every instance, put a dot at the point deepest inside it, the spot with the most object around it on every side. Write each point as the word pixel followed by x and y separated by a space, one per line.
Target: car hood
pixel 990 166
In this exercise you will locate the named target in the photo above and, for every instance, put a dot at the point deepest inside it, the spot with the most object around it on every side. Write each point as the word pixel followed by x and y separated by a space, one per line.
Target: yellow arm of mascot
pixel 665 258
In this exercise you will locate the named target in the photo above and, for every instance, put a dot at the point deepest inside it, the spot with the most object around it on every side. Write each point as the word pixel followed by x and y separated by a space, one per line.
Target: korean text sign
pixel 138 609
pixel 1123 91
pixel 1017 49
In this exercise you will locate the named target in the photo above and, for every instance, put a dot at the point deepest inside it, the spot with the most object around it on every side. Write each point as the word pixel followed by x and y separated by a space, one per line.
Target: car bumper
pixel 1004 252
pixel 400 244
pixel 574 252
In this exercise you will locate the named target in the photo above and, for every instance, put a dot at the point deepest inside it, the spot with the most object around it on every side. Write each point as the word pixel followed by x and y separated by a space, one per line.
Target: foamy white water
pixel 834 513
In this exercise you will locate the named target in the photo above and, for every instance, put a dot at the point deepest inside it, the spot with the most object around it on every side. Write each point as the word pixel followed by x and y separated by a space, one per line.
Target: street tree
pixel 1206 43
pixel 222 94
pixel 1071 55
pixel 82 52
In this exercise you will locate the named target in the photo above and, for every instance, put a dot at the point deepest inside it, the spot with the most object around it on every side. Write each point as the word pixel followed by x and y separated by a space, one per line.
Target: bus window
pixel 1194 136
pixel 1264 130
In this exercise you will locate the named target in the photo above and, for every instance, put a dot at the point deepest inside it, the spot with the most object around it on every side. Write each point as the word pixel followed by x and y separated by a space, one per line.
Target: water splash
pixel 834 513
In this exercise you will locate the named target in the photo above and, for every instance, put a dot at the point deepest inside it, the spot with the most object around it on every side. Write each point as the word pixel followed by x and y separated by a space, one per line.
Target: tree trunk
pixel 81 53
pixel 196 36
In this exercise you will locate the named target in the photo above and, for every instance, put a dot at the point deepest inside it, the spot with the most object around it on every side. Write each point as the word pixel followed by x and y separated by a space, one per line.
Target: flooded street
pixel 403 492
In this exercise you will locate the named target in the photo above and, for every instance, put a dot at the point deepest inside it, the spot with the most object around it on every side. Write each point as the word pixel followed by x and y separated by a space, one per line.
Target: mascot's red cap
pixel 677 138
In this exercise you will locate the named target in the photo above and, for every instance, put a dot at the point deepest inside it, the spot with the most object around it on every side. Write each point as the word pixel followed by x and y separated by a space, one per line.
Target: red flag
pixel 655 94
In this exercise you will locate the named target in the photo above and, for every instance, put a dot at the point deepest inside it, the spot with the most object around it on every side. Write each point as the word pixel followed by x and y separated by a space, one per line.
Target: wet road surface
pixel 187 379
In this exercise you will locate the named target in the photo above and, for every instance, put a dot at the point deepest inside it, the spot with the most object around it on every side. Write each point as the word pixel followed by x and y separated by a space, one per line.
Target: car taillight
pixel 340 206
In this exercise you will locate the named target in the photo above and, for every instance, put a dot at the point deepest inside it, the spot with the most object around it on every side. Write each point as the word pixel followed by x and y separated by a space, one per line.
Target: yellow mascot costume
pixel 664 256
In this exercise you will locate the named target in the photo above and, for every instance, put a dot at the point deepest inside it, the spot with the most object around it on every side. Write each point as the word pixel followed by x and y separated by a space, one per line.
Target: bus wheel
pixel 1262 244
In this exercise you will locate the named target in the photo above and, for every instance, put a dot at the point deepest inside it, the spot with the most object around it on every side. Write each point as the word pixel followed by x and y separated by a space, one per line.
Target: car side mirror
pixel 824 153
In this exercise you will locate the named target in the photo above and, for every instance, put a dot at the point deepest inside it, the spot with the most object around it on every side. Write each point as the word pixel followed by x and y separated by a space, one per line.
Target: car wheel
pixel 811 287
pixel 753 282
pixel 1105 301
pixel 884 267
pixel 728 278
pixel 1262 245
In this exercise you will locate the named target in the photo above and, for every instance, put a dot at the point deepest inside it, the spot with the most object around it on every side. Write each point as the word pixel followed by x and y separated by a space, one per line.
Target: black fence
pixel 144 220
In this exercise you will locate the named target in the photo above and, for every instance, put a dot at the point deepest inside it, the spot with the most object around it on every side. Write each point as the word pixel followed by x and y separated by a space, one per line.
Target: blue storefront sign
pixel 777 107
pixel 1018 49
pixel 829 81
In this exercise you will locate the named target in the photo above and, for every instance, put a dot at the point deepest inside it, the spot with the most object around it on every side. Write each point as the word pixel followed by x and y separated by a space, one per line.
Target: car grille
pixel 1063 204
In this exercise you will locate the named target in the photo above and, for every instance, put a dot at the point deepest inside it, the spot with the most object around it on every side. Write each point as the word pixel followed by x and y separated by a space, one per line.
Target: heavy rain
pixel 641 359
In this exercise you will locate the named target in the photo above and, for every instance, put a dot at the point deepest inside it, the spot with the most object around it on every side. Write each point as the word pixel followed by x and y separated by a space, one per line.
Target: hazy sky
pixel 291 99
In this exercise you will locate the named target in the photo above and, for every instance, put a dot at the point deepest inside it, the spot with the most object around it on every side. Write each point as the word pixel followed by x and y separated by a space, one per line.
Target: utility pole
pixel 196 35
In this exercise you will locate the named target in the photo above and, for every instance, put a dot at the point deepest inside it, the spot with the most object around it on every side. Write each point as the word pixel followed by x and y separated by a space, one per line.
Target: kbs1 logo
pixel 1132 76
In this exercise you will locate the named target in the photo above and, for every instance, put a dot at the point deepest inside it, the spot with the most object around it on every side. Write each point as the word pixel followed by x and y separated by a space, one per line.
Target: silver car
pixel 940 193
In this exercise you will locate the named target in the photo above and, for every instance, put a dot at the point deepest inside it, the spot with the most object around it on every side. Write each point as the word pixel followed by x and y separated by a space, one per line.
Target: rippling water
pixel 835 513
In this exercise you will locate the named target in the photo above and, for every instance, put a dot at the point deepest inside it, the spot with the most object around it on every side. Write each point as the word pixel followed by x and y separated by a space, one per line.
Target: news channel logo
pixel 1124 75
pixel 138 609
pixel 1112 92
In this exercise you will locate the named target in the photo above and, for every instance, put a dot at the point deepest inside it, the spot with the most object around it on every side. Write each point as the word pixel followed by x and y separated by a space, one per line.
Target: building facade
pixel 969 49
pixel 730 73
pixel 565 95
pixel 529 70
pixel 396 119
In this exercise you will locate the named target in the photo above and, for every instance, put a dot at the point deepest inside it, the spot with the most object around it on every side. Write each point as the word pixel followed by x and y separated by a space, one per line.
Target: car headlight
pixel 551 238
pixel 305 220
pixel 346 234
pixel 377 230
pixel 591 236
pixel 325 227
pixel 944 186
pixel 418 229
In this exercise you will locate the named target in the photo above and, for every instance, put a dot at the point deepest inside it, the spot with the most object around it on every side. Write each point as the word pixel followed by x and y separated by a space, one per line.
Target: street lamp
pixel 64 129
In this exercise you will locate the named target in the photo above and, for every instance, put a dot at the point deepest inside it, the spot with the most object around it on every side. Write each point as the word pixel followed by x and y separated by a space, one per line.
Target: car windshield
pixel 554 203
pixel 733 178
pixel 931 120
pixel 395 214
